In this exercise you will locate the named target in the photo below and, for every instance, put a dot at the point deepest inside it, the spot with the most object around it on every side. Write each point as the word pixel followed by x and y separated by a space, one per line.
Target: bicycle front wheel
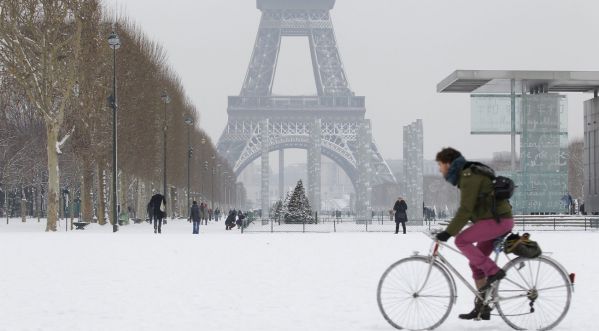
pixel 534 295
pixel 414 294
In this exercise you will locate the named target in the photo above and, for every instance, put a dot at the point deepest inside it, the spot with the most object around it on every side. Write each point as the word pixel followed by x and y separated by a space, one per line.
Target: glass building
pixel 541 123
pixel 528 105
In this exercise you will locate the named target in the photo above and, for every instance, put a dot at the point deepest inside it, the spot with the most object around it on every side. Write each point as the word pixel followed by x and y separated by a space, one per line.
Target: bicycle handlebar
pixel 432 233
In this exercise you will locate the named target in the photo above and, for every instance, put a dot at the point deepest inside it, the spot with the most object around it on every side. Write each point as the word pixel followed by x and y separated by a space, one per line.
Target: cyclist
pixel 476 205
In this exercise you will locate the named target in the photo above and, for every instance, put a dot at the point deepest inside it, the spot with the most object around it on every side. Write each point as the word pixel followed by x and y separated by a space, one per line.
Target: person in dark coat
pixel 240 218
pixel 217 214
pixel 400 208
pixel 230 221
pixel 194 216
pixel 157 206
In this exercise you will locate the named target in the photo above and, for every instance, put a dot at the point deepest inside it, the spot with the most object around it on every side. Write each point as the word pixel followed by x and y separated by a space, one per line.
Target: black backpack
pixel 503 187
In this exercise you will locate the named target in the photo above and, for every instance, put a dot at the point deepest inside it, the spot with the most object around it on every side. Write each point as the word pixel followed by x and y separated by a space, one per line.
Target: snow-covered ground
pixel 223 280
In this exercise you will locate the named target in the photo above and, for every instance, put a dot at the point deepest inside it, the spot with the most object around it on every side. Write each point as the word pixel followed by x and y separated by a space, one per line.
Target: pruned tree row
pixel 56 76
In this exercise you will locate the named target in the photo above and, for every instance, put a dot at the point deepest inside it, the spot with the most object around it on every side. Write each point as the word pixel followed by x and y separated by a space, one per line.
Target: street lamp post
pixel 166 99
pixel 212 181
pixel 228 193
pixel 223 195
pixel 203 187
pixel 114 43
pixel 189 122
pixel 202 179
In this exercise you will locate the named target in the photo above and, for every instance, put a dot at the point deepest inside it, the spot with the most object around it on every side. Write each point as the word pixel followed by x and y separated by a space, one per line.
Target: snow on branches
pixel 298 208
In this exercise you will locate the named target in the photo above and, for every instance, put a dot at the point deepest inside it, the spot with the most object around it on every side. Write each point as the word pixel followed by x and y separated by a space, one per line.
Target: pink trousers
pixel 483 233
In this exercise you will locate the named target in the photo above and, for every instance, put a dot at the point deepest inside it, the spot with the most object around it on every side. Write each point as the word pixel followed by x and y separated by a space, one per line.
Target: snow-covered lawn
pixel 223 280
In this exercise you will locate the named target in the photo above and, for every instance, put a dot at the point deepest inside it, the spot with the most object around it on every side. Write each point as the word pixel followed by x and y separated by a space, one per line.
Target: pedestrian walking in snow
pixel 157 206
pixel 194 216
pixel 400 208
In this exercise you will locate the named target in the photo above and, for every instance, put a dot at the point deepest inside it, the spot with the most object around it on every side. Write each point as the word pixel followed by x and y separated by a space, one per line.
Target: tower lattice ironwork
pixel 332 123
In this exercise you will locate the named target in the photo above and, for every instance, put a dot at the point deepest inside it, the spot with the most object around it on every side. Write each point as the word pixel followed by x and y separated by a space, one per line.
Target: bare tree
pixel 40 42
pixel 59 85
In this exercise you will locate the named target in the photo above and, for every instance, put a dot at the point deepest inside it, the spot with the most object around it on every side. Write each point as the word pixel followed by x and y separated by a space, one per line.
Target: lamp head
pixel 113 40
pixel 165 97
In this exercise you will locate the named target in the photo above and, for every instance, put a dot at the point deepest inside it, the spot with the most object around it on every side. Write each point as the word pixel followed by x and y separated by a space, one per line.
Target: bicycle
pixel 418 292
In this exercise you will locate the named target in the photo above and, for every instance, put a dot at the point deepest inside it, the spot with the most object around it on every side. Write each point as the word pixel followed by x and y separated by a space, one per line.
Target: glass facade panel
pixel 491 114
pixel 413 151
pixel 590 155
pixel 542 124
pixel 543 152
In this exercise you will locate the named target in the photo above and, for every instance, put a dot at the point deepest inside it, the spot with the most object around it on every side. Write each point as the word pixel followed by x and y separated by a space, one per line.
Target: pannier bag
pixel 522 246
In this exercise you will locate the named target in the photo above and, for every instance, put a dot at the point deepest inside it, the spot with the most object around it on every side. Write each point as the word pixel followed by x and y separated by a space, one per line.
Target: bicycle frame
pixel 436 256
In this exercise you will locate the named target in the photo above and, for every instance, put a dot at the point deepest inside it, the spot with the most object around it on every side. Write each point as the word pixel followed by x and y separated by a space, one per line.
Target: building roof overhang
pixel 499 81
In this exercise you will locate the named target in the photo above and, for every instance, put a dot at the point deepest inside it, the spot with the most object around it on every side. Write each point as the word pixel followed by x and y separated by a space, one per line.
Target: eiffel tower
pixel 331 123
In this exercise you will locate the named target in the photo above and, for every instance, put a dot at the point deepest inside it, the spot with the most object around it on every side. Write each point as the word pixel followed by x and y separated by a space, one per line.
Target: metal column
pixel 265 169
pixel 364 190
pixel 314 165
pixel 281 173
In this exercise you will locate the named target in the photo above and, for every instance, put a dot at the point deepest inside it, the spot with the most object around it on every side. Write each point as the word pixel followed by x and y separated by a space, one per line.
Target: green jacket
pixel 476 201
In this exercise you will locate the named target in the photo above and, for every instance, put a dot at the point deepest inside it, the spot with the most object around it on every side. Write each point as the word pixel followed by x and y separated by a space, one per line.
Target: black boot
pixel 480 312
pixel 492 279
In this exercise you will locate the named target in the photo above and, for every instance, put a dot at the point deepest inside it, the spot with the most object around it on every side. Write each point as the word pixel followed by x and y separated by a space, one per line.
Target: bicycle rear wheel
pixel 534 295
pixel 414 294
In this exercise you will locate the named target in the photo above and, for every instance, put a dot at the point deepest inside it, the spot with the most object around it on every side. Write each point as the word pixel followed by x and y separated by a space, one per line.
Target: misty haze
pixel 298 164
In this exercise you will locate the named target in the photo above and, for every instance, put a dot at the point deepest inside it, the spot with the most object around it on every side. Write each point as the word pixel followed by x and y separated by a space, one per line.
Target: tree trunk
pixel 38 198
pixel 31 202
pixel 173 201
pixel 140 199
pixel 53 176
pixel 107 193
pixel 6 204
pixel 101 194
pixel 86 192
pixel 61 205
pixel 71 210
pixel 124 189
pixel 23 206
pixel 34 194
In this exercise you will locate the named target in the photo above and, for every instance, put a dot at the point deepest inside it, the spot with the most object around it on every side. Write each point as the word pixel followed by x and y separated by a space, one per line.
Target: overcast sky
pixel 394 52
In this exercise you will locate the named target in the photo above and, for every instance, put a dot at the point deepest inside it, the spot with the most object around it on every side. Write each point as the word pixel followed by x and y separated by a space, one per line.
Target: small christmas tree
pixel 276 209
pixel 284 206
pixel 298 207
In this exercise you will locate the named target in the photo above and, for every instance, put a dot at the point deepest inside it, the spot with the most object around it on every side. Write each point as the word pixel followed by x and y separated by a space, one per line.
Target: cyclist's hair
pixel 447 155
